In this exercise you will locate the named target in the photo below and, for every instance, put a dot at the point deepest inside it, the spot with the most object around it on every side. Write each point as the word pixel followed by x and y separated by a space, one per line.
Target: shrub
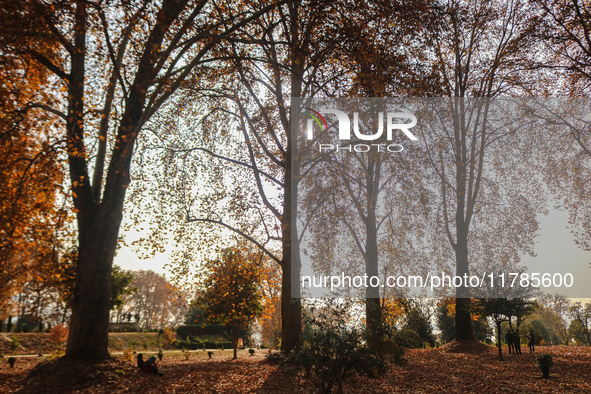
pixel 197 330
pixel 418 322
pixel 14 343
pixel 338 351
pixel 57 353
pixel 276 358
pixel 127 355
pixel 169 336
pixel 544 360
pixel 409 339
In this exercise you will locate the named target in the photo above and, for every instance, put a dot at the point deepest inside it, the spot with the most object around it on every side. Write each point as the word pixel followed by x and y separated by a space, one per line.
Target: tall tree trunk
pixel 291 308
pixel 463 320
pixel 291 303
pixel 373 311
pixel 89 324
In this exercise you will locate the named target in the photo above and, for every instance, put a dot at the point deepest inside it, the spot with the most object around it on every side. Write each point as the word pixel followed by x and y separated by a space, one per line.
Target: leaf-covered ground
pixel 427 371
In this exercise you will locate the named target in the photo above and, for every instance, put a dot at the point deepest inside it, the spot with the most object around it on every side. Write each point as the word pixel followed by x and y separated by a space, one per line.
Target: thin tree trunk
pixel 499 340
pixel 235 343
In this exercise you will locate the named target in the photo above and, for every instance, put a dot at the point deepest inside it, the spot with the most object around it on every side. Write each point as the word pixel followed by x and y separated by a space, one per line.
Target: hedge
pixel 199 346
pixel 195 331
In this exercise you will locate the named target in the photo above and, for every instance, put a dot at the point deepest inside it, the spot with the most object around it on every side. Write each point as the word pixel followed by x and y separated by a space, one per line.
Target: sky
pixel 127 259
pixel 557 253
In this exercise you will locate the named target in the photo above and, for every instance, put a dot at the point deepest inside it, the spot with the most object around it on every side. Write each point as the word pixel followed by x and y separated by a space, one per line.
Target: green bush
pixel 14 343
pixel 418 322
pixel 211 329
pixel 277 358
pixel 338 351
pixel 544 360
pixel 199 345
pixel 409 339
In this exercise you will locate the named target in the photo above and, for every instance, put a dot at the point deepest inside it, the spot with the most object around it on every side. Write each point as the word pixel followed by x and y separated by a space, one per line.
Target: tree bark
pixel 463 320
pixel 235 343
pixel 291 308
pixel 373 311
pixel 498 323
pixel 89 324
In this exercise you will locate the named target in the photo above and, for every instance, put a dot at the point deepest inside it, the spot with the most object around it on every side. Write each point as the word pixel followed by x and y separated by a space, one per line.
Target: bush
pixel 211 329
pixel 14 343
pixel 544 360
pixel 169 336
pixel 338 351
pixel 127 355
pixel 409 339
pixel 199 345
pixel 418 322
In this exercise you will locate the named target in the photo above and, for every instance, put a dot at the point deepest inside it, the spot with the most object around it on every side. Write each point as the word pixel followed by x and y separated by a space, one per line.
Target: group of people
pixel 513 340
pixel 149 365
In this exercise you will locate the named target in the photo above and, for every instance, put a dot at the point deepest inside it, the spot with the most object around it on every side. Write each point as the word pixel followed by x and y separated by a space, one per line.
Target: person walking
pixel 531 341
pixel 509 341
pixel 517 339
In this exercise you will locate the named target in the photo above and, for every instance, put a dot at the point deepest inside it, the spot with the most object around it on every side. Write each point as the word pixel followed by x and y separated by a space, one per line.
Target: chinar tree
pixel 140 53
pixel 479 49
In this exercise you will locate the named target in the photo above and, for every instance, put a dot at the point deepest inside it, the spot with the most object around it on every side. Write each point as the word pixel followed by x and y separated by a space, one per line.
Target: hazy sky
pixel 557 253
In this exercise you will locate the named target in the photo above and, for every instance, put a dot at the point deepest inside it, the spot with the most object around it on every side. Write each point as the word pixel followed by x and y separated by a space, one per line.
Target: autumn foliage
pixel 58 335
pixel 231 290
pixel 32 211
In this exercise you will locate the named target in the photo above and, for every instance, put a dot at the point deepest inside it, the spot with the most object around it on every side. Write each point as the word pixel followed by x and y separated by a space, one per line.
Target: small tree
pixel 231 294
pixel 417 321
pixel 120 281
pixel 501 309
pixel 168 336
pixel 582 314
